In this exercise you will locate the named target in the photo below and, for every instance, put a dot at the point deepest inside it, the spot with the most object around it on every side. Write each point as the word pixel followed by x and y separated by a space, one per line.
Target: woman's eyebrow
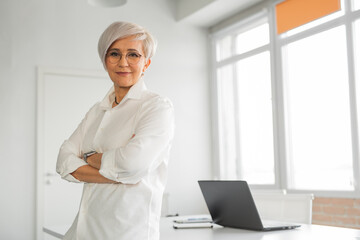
pixel 129 50
pixel 132 49
pixel 110 49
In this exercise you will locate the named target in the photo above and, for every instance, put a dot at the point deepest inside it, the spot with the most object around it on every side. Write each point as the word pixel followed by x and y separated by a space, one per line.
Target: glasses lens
pixel 113 56
pixel 133 58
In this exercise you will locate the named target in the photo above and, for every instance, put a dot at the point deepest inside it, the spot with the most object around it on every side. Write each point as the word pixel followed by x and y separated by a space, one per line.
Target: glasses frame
pixel 109 57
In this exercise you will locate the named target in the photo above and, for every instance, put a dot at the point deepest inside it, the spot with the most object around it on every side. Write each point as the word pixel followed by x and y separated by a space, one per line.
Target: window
pixel 356 4
pixel 226 108
pixel 357 63
pixel 256 157
pixel 245 104
pixel 223 48
pixel 357 49
pixel 319 112
pixel 252 38
pixel 288 114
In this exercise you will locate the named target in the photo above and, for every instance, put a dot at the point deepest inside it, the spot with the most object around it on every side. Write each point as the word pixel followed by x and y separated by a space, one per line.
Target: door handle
pixel 49 177
pixel 49 174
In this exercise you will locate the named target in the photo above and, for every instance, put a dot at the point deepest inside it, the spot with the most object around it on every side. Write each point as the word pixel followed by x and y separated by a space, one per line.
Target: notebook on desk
pixel 231 204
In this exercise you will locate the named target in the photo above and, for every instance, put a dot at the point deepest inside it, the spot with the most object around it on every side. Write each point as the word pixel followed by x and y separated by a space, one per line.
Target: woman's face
pixel 121 72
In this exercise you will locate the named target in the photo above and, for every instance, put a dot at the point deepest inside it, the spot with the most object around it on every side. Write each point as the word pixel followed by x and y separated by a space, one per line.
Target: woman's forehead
pixel 127 44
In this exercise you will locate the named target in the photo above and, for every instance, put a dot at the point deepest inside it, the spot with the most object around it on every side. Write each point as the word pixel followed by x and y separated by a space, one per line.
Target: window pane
pixel 319 112
pixel 356 4
pixel 226 120
pixel 255 121
pixel 357 62
pixel 251 39
pixel 223 48
pixel 357 48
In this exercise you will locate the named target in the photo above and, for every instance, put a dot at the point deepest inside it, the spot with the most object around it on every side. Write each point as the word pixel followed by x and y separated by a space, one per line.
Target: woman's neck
pixel 120 93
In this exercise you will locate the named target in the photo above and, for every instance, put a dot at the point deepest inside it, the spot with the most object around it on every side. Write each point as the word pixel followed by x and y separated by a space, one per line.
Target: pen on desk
pixel 193 220
pixel 172 215
pixel 192 225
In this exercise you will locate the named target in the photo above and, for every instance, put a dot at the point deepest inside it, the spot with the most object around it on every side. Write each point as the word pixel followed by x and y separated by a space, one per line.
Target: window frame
pixel 281 128
pixel 255 20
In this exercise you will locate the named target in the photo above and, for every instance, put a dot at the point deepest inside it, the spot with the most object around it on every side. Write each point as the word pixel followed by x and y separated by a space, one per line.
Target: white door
pixel 64 97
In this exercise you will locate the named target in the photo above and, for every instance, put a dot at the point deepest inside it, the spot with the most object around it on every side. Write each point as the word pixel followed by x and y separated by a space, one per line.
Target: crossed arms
pixel 126 164
pixel 90 173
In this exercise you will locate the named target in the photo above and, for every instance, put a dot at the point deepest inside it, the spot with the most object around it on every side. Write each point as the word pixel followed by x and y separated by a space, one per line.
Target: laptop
pixel 231 204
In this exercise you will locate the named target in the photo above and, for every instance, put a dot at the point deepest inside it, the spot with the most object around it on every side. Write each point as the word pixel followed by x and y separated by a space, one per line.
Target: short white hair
pixel 119 30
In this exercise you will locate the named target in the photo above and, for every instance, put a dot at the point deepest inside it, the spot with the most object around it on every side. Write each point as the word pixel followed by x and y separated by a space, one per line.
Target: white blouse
pixel 135 139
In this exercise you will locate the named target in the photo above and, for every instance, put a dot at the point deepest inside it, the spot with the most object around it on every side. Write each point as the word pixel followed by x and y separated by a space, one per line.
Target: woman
pixel 120 150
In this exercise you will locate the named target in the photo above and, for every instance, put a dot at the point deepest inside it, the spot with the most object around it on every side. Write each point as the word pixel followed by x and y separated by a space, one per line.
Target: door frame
pixel 40 114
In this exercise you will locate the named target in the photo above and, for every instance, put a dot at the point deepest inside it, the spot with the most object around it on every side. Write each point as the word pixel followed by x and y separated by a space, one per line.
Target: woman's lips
pixel 123 73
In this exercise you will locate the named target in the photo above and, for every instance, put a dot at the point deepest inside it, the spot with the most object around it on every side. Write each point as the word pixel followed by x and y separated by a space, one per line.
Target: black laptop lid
pixel 230 204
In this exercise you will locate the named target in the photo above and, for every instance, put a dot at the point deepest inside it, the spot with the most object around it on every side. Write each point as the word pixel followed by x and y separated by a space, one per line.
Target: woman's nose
pixel 123 62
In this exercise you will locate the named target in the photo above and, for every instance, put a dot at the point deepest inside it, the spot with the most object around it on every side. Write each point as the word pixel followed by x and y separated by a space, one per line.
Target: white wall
pixel 64 34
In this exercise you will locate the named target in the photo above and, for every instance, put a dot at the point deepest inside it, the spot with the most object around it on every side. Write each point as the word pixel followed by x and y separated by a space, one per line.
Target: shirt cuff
pixel 109 170
pixel 72 165
pixel 108 165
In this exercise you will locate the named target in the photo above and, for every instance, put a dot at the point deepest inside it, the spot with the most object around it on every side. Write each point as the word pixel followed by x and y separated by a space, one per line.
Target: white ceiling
pixel 211 11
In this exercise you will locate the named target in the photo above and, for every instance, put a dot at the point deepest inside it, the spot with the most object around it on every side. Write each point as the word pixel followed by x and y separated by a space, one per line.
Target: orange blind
pixel 294 13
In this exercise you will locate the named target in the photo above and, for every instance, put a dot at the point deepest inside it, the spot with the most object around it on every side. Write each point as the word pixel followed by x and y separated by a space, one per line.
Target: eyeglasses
pixel 114 56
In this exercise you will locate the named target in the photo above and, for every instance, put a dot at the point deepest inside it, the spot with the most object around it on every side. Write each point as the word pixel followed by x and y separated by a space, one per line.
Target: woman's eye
pixel 133 55
pixel 114 54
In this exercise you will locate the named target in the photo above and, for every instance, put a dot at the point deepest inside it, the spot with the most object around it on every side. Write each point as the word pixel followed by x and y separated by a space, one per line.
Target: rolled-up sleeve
pixel 68 159
pixel 144 152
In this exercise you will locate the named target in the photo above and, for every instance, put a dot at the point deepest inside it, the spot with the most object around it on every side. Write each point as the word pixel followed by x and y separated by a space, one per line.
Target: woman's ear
pixel 147 64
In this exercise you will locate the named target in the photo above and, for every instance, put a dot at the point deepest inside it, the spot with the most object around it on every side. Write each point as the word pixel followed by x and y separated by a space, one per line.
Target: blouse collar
pixel 135 92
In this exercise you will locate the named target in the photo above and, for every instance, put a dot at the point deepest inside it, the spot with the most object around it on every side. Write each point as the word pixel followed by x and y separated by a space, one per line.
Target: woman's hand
pixel 95 160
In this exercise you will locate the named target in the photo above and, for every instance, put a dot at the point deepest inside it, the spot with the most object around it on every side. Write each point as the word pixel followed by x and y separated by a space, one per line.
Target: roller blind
pixel 294 13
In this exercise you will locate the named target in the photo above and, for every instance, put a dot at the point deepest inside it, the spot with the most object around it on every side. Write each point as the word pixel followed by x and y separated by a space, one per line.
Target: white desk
pixel 305 232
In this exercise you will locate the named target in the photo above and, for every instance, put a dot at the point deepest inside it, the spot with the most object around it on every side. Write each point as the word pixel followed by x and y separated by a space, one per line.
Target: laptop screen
pixel 230 204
